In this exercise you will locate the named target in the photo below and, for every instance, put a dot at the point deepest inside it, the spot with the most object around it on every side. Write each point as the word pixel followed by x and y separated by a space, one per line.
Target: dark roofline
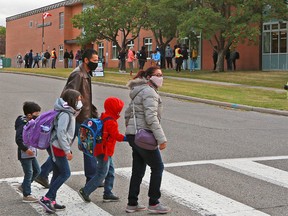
pixel 43 9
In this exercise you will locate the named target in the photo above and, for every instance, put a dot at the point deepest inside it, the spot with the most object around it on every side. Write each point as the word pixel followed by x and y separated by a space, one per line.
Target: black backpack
pixel 237 55
pixel 47 55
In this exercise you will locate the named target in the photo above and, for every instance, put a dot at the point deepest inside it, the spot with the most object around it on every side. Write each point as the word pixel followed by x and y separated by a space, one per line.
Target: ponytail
pixel 144 74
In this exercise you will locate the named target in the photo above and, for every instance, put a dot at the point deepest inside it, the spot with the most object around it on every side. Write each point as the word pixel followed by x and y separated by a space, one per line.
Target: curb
pixel 181 97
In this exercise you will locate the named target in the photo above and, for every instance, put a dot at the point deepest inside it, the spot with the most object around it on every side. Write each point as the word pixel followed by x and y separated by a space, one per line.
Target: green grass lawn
pixel 237 95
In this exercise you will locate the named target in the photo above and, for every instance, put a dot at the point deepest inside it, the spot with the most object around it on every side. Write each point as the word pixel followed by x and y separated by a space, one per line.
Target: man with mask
pixel 80 80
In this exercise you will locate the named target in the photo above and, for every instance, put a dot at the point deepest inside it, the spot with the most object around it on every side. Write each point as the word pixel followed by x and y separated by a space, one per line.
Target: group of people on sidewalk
pixel 75 106
pixel 180 55
pixel 42 59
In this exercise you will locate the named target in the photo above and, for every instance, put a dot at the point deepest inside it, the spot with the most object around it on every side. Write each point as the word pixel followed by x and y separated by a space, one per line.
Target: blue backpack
pixel 90 136
pixel 37 133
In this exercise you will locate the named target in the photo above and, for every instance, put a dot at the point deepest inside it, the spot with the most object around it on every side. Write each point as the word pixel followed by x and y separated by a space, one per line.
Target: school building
pixel 26 31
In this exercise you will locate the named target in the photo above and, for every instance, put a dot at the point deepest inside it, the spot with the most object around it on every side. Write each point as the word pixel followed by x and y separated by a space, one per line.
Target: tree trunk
pixel 220 61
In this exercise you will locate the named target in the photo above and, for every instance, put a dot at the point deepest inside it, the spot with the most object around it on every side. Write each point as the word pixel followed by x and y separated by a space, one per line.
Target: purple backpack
pixel 37 133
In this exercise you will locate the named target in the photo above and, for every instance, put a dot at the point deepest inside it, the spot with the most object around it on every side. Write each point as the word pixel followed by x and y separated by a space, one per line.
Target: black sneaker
pixel 83 196
pixel 42 181
pixel 58 207
pixel 47 204
pixel 110 198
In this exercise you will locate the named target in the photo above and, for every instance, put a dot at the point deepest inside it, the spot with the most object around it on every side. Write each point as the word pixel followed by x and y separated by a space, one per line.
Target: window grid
pixel 114 51
pixel 148 45
pixel 61 20
pixel 61 52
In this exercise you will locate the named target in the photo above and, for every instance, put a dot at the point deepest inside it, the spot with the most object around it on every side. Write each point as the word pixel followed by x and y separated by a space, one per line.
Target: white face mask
pixel 79 105
pixel 158 81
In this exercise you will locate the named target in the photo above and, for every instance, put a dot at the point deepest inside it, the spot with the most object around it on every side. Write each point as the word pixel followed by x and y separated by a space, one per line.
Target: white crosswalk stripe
pixel 257 170
pixel 74 204
pixel 198 198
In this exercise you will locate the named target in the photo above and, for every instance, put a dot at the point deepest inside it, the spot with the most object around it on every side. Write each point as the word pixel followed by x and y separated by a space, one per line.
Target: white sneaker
pixel 30 199
pixel 131 209
pixel 159 209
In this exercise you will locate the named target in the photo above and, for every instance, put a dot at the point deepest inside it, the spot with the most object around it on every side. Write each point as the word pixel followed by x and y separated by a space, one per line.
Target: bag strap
pixel 134 116
pixel 55 137
pixel 133 108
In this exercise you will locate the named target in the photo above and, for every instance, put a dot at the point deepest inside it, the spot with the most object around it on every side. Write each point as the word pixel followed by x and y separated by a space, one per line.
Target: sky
pixel 14 7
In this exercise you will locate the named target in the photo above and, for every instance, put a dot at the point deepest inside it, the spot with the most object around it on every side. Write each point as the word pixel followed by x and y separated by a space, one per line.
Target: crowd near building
pixel 27 31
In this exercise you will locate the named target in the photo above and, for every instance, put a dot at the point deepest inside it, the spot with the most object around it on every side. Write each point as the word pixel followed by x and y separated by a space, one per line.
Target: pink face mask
pixel 158 81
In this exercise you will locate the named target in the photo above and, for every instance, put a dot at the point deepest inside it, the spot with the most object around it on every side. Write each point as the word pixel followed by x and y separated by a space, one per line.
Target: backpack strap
pixel 55 137
pixel 105 137
pixel 104 120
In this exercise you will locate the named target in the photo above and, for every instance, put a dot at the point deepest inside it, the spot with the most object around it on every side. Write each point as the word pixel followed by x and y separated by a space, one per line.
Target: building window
pixel 30 24
pixel 114 51
pixel 266 42
pixel 61 53
pixel 130 44
pixel 283 41
pixel 148 45
pixel 283 25
pixel 61 20
pixel 101 50
pixel 274 43
pixel 275 37
pixel 266 27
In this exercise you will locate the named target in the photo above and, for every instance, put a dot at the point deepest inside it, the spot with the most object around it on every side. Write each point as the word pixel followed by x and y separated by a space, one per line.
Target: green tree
pixel 227 22
pixel 2 31
pixel 118 21
pixel 162 20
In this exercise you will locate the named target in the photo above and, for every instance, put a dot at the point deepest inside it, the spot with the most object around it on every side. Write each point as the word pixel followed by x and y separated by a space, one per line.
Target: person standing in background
pixel 30 58
pixel 178 58
pixel 215 57
pixel 193 59
pixel 66 57
pixel 169 56
pixel 184 53
pixel 54 57
pixel 130 59
pixel 70 59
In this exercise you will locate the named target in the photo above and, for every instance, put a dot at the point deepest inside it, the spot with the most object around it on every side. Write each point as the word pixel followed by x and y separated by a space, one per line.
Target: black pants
pixel 36 63
pixel 179 62
pixel 53 63
pixel 141 63
pixel 141 158
pixel 169 62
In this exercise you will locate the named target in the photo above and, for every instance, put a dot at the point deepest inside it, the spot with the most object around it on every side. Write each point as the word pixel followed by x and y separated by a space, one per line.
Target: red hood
pixel 113 106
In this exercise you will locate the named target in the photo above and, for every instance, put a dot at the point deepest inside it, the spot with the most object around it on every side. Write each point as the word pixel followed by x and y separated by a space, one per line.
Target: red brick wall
pixel 20 38
pixel 249 57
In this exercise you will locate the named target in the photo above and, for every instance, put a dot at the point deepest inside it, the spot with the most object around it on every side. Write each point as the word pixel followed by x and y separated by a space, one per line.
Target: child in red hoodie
pixel 105 167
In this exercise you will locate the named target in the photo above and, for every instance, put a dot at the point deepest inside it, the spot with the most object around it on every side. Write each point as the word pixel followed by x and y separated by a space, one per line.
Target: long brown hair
pixel 71 97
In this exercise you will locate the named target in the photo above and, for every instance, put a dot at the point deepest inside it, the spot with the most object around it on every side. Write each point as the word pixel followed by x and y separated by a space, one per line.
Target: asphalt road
pixel 203 174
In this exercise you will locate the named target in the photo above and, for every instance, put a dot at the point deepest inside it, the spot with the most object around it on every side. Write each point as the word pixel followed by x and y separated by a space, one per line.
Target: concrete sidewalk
pixel 226 84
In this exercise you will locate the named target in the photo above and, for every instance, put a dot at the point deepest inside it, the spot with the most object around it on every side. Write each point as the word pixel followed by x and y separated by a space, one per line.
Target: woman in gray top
pixel 148 109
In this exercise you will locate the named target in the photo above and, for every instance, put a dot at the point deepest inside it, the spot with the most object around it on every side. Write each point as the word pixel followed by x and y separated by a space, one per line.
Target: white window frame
pixel 101 50
pixel 61 52
pixel 114 51
pixel 148 42
pixel 130 44
pixel 61 20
